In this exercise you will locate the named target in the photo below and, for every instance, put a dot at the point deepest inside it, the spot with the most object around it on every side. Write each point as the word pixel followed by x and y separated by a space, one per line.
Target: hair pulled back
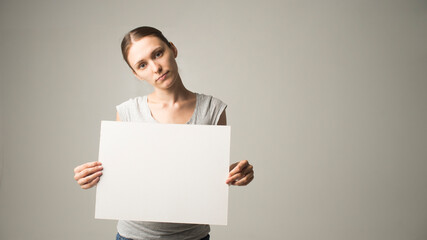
pixel 135 35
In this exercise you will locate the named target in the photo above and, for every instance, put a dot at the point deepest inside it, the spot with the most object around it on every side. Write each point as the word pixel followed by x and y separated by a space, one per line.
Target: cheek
pixel 141 76
pixel 173 63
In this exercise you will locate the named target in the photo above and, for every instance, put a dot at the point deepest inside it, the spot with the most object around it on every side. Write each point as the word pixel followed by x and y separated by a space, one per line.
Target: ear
pixel 175 51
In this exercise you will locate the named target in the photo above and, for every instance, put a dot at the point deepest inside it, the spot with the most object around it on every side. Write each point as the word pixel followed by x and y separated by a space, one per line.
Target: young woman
pixel 151 57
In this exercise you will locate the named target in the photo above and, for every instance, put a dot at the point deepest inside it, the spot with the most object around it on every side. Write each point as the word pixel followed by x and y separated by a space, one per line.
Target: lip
pixel 162 77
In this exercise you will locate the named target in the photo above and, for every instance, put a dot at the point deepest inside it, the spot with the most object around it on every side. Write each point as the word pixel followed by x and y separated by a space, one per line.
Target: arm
pixel 241 173
pixel 222 119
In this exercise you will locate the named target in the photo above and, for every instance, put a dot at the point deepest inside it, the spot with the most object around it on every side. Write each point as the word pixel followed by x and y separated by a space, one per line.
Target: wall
pixel 326 99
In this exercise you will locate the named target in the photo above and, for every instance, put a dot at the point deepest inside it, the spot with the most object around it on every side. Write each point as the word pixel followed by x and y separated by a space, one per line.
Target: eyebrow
pixel 151 54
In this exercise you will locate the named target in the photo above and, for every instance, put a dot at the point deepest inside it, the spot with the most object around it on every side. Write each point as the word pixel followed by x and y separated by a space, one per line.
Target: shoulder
pixel 127 109
pixel 131 102
pixel 208 99
pixel 210 108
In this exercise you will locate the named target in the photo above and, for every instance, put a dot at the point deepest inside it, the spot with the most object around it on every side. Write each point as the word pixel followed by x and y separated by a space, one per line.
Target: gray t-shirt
pixel 207 112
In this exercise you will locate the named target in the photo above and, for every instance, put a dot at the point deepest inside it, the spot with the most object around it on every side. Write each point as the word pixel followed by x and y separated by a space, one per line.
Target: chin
pixel 169 83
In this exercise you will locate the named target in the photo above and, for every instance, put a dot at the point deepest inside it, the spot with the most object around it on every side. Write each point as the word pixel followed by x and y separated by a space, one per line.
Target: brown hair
pixel 135 35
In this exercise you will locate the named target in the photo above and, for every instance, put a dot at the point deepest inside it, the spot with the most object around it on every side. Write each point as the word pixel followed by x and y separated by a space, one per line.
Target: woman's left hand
pixel 241 173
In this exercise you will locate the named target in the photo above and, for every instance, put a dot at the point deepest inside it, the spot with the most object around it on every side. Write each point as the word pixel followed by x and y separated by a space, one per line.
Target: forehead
pixel 143 48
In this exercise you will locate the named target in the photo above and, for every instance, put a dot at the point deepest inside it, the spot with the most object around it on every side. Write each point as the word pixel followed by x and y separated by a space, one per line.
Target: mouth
pixel 162 77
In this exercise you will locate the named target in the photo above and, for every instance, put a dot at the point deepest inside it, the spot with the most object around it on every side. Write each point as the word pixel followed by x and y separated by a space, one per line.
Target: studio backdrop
pixel 327 99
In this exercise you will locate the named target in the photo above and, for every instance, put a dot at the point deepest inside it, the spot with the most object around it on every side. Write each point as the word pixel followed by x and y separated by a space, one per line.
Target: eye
pixel 142 65
pixel 159 54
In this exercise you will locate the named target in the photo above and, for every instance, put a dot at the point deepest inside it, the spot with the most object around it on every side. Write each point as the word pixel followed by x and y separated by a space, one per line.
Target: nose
pixel 157 68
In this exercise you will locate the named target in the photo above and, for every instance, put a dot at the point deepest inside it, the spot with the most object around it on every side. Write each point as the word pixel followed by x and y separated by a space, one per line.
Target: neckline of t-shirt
pixel 150 115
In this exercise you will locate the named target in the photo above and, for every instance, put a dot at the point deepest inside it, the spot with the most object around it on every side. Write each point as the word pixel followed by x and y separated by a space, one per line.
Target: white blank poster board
pixel 163 172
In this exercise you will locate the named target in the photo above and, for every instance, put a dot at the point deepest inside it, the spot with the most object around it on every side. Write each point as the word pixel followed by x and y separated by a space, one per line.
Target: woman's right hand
pixel 87 175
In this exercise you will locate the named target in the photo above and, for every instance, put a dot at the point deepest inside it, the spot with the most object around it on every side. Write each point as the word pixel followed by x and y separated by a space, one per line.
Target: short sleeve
pixel 209 110
pixel 219 108
pixel 124 110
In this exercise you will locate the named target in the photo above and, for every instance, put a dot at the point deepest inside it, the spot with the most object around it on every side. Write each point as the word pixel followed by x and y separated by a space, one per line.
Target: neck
pixel 175 93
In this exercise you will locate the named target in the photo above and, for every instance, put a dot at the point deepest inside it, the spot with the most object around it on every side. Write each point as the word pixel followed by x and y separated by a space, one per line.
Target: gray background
pixel 326 98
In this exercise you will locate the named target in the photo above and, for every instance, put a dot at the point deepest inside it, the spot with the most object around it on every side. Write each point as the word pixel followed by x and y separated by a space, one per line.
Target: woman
pixel 151 58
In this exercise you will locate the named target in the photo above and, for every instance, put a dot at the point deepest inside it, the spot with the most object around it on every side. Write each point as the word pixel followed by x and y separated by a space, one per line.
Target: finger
pixel 83 166
pixel 234 178
pixel 248 169
pixel 238 177
pixel 89 178
pixel 86 165
pixel 91 184
pixel 87 172
pixel 233 166
pixel 244 181
pixel 242 164
pixel 242 169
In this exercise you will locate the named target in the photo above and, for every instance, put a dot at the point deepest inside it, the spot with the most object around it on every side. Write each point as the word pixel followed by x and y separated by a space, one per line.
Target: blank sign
pixel 163 172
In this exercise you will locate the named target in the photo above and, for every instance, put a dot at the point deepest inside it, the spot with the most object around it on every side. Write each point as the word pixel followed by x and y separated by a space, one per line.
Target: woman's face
pixel 153 61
